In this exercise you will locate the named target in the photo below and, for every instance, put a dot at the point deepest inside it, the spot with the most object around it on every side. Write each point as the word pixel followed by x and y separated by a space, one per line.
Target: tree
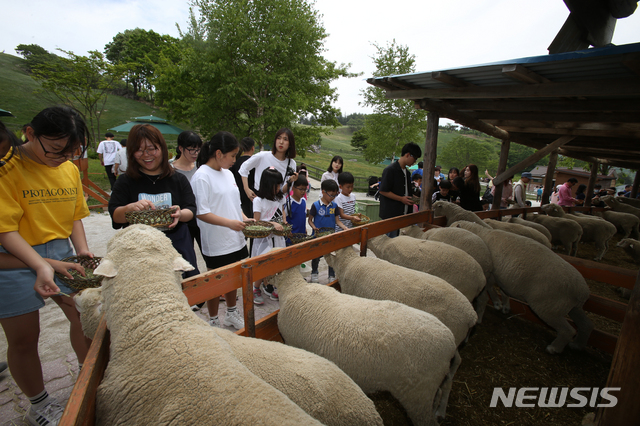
pixel 395 121
pixel 462 150
pixel 81 82
pixel 251 67
pixel 139 51
pixel 359 140
pixel 35 55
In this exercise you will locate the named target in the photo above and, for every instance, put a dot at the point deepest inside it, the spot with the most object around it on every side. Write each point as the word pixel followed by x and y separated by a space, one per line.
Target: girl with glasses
pixel 43 204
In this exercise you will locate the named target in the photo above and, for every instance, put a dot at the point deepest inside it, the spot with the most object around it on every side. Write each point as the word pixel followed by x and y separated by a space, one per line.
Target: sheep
pixel 315 384
pixel 151 324
pixel 442 260
pixel 369 277
pixel 563 231
pixel 536 275
pixel 382 345
pixel 634 202
pixel 626 223
pixel 515 228
pixel 618 206
pixel 631 247
pixel 540 228
pixel 454 212
pixel 593 230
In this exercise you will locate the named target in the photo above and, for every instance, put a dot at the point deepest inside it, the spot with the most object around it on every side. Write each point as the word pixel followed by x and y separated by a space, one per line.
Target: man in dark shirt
pixel 395 185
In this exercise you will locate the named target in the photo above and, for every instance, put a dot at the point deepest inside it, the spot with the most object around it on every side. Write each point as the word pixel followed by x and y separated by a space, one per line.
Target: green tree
pixel 359 139
pixel 395 121
pixel 35 55
pixel 139 51
pixel 461 151
pixel 83 82
pixel 251 67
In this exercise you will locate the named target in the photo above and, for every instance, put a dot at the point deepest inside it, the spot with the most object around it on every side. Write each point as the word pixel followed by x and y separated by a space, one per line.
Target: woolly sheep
pixel 515 228
pixel 634 202
pixel 563 231
pixel 626 223
pixel 618 206
pixel 631 247
pixel 381 345
pixel 369 278
pixel 442 260
pixel 315 384
pixel 151 325
pixel 593 230
pixel 454 213
pixel 536 275
pixel 540 228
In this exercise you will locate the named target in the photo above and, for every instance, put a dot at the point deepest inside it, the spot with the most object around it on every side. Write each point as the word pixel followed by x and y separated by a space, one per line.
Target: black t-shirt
pixel 397 180
pixel 245 201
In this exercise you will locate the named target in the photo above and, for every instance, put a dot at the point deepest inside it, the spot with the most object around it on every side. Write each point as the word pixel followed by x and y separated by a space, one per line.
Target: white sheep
pixel 631 247
pixel 538 227
pixel 534 274
pixel 381 345
pixel 369 277
pixel 634 202
pixel 518 229
pixel 618 206
pixel 152 327
pixel 626 223
pixel 563 231
pixel 454 213
pixel 593 230
pixel 89 304
pixel 442 260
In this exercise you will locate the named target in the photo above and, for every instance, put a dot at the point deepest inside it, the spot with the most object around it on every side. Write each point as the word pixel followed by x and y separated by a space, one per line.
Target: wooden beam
pixel 636 183
pixel 623 87
pixel 523 74
pixel 394 81
pixel 445 78
pixel 526 118
pixel 532 159
pixel 632 61
pixel 548 178
pixel 593 176
pixel 563 105
pixel 429 158
pixel 502 165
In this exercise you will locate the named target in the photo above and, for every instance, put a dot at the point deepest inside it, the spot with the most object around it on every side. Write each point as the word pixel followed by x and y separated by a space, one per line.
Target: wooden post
pixel 430 152
pixel 634 188
pixel 502 165
pixel 592 183
pixel 548 179
pixel 624 373
pixel 247 301
pixel 364 237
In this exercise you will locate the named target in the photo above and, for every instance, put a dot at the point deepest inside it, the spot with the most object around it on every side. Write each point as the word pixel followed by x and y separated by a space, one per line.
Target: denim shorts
pixel 17 296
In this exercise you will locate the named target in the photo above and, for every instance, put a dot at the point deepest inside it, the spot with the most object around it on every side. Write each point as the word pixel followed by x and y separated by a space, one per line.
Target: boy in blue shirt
pixel 296 207
pixel 323 215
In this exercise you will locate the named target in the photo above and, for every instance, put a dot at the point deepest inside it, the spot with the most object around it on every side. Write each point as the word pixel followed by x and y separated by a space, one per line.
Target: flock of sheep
pixel 395 327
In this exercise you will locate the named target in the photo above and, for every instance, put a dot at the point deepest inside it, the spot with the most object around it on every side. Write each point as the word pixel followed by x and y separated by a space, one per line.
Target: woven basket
pixel 363 220
pixel 257 229
pixel 299 237
pixel 155 218
pixel 416 200
pixel 79 282
pixel 324 231
pixel 286 230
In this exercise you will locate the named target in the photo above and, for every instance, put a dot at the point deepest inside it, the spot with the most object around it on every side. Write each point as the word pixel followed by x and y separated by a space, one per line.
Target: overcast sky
pixel 441 34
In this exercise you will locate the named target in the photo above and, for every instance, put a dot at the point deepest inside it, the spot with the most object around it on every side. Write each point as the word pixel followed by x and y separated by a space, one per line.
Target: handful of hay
pixel 324 231
pixel 286 230
pixel 257 229
pixel 363 220
pixel 298 237
pixel 79 282
pixel 158 218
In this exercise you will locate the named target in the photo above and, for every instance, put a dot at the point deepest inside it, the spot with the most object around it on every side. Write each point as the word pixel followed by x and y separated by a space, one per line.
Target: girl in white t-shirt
pixel 220 217
pixel 269 206
pixel 334 169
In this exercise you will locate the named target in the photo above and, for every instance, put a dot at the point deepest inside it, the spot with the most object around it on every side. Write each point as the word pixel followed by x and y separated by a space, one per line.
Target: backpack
pixel 488 196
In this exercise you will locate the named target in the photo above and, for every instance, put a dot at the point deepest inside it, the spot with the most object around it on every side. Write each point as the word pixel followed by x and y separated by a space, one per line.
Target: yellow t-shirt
pixel 38 201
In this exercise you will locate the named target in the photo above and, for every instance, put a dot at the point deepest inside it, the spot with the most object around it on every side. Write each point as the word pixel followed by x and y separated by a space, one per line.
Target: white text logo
pixel 554 397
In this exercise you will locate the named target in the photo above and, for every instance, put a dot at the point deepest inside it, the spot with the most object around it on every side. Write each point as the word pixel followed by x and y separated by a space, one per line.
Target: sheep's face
pixel 89 299
pixel 438 208
pixel 609 200
pixel 552 210
pixel 469 226
pixel 624 243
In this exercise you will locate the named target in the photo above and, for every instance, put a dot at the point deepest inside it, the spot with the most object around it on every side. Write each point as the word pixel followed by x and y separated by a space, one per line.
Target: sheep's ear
pixel 179 264
pixel 106 268
pixel 631 245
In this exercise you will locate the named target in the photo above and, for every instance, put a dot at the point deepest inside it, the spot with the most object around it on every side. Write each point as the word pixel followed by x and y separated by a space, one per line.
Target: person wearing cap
pixel 564 193
pixel 520 190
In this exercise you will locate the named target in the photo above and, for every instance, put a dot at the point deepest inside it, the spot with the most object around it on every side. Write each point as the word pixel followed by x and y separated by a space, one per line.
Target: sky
pixel 440 34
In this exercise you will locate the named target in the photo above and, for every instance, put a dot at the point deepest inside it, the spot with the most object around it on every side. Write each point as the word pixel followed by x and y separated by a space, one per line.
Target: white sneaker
pixel 314 278
pixel 48 415
pixel 215 322
pixel 233 319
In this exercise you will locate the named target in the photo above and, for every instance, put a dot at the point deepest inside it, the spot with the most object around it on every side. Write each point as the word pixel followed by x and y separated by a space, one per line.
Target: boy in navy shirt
pixel 296 207
pixel 323 215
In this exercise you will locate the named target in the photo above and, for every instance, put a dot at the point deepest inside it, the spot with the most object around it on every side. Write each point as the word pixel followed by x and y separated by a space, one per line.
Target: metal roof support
pixel 548 179
pixel 429 158
pixel 532 159
pixel 502 164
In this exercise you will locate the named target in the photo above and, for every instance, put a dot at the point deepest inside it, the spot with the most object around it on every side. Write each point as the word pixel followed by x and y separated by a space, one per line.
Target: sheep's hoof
pixel 497 305
pixel 506 309
pixel 552 350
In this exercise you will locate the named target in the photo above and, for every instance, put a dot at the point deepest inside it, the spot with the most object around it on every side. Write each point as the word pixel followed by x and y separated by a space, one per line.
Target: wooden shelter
pixel 583 104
